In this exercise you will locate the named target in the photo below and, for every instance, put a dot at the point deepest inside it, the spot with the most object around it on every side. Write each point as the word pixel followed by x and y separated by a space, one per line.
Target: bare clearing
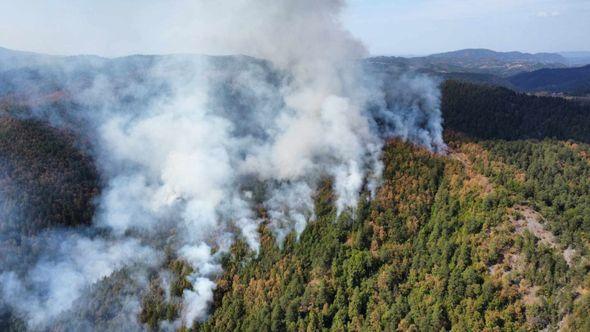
pixel 528 219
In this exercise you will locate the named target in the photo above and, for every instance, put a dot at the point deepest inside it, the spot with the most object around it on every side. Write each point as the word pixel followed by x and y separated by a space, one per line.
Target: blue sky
pixel 400 27
pixel 426 26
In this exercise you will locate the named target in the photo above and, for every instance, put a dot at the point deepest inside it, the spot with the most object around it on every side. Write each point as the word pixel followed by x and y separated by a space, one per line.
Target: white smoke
pixel 180 165
pixel 59 277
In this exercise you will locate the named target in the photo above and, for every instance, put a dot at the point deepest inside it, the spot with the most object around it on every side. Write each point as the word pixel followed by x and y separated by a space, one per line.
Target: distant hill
pixel 575 81
pixel 495 66
pixel 577 58
pixel 12 59
pixel 479 66
pixel 486 112
pixel 491 62
pixel 525 72
pixel 476 55
pixel 397 65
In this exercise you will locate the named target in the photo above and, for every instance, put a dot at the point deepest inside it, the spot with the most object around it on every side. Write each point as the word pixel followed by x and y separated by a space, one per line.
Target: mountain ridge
pixel 482 53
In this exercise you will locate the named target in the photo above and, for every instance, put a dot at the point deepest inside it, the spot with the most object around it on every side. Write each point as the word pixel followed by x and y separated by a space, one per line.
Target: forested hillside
pixel 45 179
pixel 489 112
pixel 492 235
pixel 575 81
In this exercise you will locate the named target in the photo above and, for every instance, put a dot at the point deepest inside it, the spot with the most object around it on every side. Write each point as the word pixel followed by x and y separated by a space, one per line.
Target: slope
pixel 575 81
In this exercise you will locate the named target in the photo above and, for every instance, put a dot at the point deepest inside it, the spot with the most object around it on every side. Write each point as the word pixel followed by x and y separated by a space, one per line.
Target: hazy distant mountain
pixel 527 72
pixel 567 80
pixel 577 58
pixel 10 59
pixel 478 55
pixel 13 60
pixel 475 65
pixel 477 61
pixel 491 62
pixel 515 70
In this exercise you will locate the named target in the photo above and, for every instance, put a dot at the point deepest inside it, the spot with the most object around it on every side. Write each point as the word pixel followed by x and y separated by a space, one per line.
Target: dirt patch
pixel 511 262
pixel 568 255
pixel 530 296
pixel 525 218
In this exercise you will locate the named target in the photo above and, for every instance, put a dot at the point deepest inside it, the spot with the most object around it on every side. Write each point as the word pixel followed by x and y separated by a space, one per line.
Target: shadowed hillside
pixel 575 81
pixel 46 181
pixel 498 113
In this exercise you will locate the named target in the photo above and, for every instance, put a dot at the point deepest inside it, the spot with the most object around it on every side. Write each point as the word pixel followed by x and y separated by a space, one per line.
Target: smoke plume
pixel 183 144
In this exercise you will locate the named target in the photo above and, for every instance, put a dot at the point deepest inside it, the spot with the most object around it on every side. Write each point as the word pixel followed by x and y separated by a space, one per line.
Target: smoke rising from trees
pixel 189 146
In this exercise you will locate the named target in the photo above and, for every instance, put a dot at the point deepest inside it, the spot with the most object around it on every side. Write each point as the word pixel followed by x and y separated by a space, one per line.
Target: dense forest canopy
pixel 575 81
pixel 46 179
pixel 488 112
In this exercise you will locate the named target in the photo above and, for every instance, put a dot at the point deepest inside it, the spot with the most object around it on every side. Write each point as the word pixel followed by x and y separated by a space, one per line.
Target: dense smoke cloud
pixel 184 143
pixel 67 268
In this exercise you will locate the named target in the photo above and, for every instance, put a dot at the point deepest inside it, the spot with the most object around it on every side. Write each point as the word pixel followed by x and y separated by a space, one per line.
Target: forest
pixel 45 177
pixel 440 248
pixel 490 112
pixel 492 235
